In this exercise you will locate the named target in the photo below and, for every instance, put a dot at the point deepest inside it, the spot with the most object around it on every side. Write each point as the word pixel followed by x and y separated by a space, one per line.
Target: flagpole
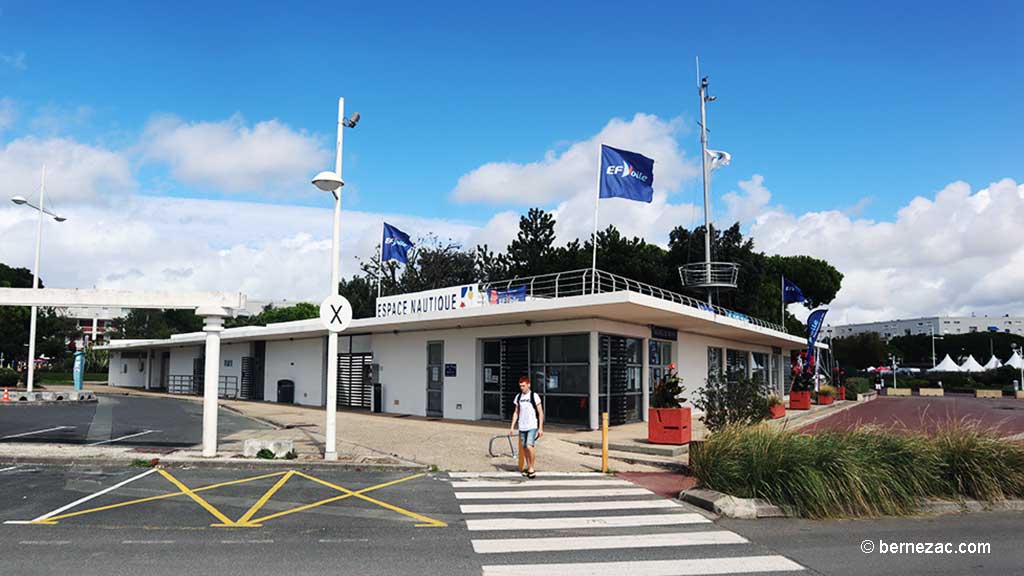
pixel 380 259
pixel 782 293
pixel 597 205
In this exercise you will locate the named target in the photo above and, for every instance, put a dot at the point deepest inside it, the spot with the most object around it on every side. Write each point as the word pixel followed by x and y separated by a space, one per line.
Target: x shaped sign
pixel 335 313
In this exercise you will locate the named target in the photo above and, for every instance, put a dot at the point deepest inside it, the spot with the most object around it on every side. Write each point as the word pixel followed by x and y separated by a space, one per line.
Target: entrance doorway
pixel 435 379
pixel 492 379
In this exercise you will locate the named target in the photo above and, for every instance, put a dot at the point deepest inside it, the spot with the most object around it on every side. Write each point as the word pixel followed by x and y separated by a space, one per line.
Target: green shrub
pixel 865 472
pixel 668 391
pixel 8 378
pixel 265 454
pixel 857 385
pixel 737 400
pixel 827 390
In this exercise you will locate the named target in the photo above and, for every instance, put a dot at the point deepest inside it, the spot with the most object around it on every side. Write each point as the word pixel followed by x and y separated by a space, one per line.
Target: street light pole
pixel 30 377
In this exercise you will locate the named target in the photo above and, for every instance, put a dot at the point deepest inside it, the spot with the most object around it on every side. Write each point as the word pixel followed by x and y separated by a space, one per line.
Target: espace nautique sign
pixel 441 300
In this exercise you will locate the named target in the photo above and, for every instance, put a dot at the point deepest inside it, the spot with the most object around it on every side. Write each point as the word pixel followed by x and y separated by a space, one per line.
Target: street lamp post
pixel 332 182
pixel 21 201
pixel 934 338
pixel 1019 350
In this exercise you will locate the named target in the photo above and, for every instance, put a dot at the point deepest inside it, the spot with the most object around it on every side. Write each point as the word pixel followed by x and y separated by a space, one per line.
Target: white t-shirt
pixel 527 415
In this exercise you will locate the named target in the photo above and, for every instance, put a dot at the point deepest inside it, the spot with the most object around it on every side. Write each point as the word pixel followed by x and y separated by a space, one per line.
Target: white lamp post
pixel 1020 351
pixel 21 201
pixel 332 182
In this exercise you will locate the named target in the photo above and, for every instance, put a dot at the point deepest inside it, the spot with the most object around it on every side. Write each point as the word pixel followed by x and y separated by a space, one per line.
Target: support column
pixel 645 379
pixel 331 424
pixel 213 324
pixel 595 378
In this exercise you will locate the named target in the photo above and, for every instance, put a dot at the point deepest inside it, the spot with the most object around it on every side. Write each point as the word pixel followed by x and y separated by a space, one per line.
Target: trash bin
pixel 285 392
pixel 378 398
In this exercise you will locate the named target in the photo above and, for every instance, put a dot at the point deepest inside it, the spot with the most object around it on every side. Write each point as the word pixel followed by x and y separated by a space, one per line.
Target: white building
pixel 938 325
pixel 94 324
pixel 459 352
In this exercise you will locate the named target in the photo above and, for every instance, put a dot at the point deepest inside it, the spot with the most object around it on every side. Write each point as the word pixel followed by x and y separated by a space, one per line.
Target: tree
pixel 53 330
pixel 860 351
pixel 272 315
pixel 529 253
pixel 157 324
pixel 361 294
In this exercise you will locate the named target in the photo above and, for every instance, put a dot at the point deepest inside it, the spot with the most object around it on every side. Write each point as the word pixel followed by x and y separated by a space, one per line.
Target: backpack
pixel 533 400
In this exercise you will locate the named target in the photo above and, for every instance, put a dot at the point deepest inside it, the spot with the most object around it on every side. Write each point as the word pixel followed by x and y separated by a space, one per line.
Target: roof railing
pixel 587 281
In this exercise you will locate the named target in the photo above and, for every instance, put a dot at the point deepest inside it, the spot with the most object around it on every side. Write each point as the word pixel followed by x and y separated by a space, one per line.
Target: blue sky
pixel 831 103
pixel 846 120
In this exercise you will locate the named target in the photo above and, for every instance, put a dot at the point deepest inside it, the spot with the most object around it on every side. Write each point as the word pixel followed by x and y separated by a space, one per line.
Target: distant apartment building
pixel 94 324
pixel 937 325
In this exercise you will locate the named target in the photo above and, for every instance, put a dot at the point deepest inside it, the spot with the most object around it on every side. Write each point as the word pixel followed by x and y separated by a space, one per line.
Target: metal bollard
pixel 604 442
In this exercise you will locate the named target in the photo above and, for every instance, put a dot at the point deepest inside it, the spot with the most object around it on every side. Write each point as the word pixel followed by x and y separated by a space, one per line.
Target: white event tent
pixel 971 365
pixel 947 365
pixel 993 363
pixel 1016 361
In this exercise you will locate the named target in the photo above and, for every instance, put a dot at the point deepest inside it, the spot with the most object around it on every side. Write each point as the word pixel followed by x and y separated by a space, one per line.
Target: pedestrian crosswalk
pixel 589 524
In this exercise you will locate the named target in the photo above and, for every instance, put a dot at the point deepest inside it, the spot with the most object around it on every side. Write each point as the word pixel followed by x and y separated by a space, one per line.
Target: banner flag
pixel 626 174
pixel 814 323
pixel 395 245
pixel 791 292
pixel 719 159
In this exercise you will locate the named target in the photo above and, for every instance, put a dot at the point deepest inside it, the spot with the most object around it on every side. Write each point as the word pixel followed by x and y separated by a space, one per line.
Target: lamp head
pixel 352 120
pixel 327 181
pixel 19 200
pixel 59 218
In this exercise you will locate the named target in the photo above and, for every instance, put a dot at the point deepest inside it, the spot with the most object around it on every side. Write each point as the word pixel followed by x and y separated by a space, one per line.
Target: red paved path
pixel 1005 416
pixel 667 484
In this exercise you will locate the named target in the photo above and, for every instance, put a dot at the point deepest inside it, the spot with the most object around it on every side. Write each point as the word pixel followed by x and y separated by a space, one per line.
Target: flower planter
pixel 800 400
pixel 777 411
pixel 842 393
pixel 825 400
pixel 669 426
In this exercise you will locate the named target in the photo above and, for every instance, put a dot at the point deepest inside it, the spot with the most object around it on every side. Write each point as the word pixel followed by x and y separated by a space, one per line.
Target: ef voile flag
pixel 814 322
pixel 791 292
pixel 395 245
pixel 626 174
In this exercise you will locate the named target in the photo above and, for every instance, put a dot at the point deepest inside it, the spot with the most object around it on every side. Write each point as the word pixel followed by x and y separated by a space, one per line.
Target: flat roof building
pixel 459 352
pixel 939 325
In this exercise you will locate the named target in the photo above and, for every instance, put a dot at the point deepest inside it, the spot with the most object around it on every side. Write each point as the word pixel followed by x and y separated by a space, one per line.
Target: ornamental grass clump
pixel 977 464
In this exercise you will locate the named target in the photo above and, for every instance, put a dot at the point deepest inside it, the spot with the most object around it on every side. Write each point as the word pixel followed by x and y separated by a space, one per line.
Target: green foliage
pixel 865 472
pixel 857 385
pixel 265 454
pixel 143 463
pixel 668 391
pixel 827 390
pixel 52 329
pixel 774 400
pixel 272 315
pixel 8 378
pixel 157 324
pixel 917 349
pixel 727 401
pixel 291 455
pixel 361 293
pixel 803 381
pixel 860 351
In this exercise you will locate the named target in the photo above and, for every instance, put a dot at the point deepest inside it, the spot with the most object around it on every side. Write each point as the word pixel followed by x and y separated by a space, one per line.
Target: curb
pixel 227 464
pixel 755 508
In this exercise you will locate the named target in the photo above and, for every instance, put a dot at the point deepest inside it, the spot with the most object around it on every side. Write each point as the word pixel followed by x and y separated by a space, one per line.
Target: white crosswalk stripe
pixel 566 517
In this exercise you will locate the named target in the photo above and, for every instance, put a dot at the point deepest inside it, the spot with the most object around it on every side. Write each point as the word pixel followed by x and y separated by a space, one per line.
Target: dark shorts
pixel 528 437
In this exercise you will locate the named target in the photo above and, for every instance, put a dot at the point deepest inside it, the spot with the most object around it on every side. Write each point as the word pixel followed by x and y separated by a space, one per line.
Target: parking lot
pixel 116 420
pixel 1005 416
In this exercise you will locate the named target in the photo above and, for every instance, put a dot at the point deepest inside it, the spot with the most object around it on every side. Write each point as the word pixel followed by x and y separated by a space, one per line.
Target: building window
pixel 560 373
pixel 660 356
pixel 228 363
pixel 736 363
pixel 620 373
pixel 759 368
pixel 714 361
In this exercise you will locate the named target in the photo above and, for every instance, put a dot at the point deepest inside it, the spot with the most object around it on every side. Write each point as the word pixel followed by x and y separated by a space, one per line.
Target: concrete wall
pixel 301 361
pixel 231 359
pixel 692 358
pixel 181 360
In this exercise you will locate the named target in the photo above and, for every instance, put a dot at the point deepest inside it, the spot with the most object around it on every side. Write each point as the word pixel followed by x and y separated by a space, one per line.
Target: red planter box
pixel 669 426
pixel 777 411
pixel 842 392
pixel 800 400
pixel 825 400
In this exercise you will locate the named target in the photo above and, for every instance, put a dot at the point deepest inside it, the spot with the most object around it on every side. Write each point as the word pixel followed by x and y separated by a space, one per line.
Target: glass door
pixel 492 379
pixel 435 379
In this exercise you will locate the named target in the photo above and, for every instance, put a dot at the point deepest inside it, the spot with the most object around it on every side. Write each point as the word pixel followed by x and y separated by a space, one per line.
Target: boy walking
pixel 530 416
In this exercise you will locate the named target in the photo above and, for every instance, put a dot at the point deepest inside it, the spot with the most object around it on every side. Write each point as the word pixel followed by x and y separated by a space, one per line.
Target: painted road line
pixel 263 499
pixel 342 540
pixel 122 438
pixel 147 541
pixel 524 483
pixel 519 475
pixel 607 542
pixel 8 469
pixel 361 494
pixel 246 541
pixel 224 520
pixel 44 542
pixel 523 494
pixel 533 524
pixel 48 515
pixel 693 567
pixel 35 432
pixel 568 506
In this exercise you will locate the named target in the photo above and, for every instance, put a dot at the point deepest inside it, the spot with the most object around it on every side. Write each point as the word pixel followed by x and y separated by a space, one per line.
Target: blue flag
pixel 626 175
pixel 791 292
pixel 395 245
pixel 814 322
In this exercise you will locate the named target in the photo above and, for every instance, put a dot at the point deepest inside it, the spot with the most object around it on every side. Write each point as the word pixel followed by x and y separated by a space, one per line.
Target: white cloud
pixel 7 114
pixel 231 156
pixel 74 171
pixel 958 253
pixel 560 176
pixel 746 206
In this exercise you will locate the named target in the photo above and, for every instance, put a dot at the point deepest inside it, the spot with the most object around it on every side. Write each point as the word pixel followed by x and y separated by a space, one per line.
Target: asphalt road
pixel 115 420
pixel 1004 416
pixel 161 522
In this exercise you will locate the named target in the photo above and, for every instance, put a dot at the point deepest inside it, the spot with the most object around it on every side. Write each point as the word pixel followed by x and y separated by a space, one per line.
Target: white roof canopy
pixel 971 365
pixel 1016 361
pixel 993 363
pixel 947 365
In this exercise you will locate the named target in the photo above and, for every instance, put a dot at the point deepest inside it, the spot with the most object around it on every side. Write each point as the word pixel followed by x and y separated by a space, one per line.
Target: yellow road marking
pixel 53 519
pixel 263 500
pixel 361 495
pixel 224 520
